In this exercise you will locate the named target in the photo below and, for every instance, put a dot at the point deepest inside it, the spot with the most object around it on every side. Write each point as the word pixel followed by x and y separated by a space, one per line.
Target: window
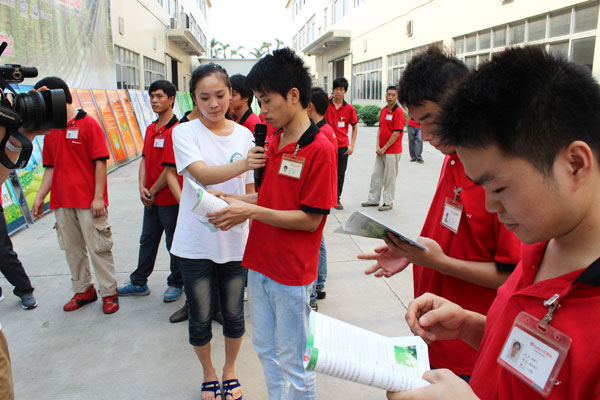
pixel 358 2
pixel 536 29
pixel 560 48
pixel 471 42
pixel 310 30
pixel 367 80
pixel 340 9
pixel 560 23
pixel 459 46
pixel 397 62
pixel 499 36
pixel 153 71
pixel 127 65
pixel 586 17
pixel 325 20
pixel 582 51
pixel 484 40
pixel 517 33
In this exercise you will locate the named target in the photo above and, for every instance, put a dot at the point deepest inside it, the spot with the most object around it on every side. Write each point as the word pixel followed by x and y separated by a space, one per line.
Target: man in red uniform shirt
pixel 160 207
pixel 288 216
pixel 340 115
pixel 541 173
pixel 241 101
pixel 470 253
pixel 388 149
pixel 75 162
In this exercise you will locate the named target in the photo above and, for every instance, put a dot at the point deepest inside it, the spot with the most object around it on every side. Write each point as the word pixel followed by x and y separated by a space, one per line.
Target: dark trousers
pixel 10 266
pixel 156 220
pixel 342 164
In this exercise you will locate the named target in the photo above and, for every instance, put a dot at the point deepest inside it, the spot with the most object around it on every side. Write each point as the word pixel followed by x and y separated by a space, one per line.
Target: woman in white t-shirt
pixel 211 151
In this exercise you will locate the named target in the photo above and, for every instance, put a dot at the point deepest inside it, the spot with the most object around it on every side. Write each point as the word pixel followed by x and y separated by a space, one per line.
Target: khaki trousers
pixel 384 176
pixel 79 233
pixel 6 382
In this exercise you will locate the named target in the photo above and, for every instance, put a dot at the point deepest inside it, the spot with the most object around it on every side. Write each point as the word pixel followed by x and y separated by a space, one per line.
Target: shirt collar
pixel 245 116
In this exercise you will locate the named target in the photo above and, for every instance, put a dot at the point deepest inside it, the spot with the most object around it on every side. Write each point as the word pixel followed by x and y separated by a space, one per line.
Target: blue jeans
pixel 415 143
pixel 198 279
pixel 322 274
pixel 156 220
pixel 279 316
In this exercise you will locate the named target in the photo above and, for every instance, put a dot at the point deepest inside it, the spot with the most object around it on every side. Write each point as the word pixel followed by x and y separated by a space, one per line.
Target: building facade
pixel 158 39
pixel 369 42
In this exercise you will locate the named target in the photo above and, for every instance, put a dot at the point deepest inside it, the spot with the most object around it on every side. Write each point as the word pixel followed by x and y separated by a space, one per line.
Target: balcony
pixel 187 35
pixel 329 40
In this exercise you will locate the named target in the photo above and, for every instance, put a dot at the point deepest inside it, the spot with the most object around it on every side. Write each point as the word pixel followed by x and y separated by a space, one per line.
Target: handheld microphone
pixel 260 136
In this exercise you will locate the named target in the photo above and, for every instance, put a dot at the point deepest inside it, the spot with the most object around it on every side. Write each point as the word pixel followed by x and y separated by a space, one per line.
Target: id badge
pixel 73 133
pixel 534 354
pixel 291 166
pixel 159 143
pixel 388 117
pixel 341 124
pixel 452 212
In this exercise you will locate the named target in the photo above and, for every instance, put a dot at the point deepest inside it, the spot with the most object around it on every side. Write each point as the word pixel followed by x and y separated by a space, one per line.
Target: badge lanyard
pixel 453 209
pixel 292 165
pixel 72 132
pixel 535 351
pixel 159 142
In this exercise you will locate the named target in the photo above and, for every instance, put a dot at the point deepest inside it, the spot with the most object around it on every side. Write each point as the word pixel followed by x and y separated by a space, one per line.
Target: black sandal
pixel 228 387
pixel 214 387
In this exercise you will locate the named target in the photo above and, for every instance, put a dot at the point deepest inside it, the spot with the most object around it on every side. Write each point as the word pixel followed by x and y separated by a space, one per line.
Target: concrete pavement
pixel 137 354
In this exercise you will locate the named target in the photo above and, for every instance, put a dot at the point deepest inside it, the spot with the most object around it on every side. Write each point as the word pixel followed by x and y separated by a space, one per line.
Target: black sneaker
pixel 321 294
pixel 180 315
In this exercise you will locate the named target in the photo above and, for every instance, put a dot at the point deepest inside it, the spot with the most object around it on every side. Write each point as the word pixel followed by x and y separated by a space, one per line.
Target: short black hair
pixel 320 100
pixel 164 85
pixel 528 103
pixel 205 70
pixel 430 75
pixel 340 82
pixel 280 72
pixel 392 87
pixel 238 83
pixel 53 82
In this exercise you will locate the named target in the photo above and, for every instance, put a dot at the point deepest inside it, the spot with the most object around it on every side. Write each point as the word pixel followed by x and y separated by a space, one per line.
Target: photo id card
pixel 452 212
pixel 341 124
pixel 388 117
pixel 291 166
pixel 73 133
pixel 159 143
pixel 534 354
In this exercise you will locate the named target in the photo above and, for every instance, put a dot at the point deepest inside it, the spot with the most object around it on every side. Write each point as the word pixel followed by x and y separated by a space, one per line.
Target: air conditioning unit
pixel 173 23
pixel 409 27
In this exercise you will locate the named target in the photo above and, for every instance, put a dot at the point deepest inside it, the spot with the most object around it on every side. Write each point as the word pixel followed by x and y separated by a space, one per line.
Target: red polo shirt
pixel 155 143
pixel 270 128
pixel 288 256
pixel 249 120
pixel 72 153
pixel 339 119
pixel 577 317
pixel 168 157
pixel 414 123
pixel 391 121
pixel 480 237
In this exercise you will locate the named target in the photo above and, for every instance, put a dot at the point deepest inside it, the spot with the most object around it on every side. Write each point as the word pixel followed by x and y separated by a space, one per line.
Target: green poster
pixel 12 211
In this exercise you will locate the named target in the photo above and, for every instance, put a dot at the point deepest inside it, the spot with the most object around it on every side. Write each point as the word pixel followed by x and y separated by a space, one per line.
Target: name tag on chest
pixel 341 124
pixel 159 143
pixel 291 166
pixel 388 117
pixel 73 133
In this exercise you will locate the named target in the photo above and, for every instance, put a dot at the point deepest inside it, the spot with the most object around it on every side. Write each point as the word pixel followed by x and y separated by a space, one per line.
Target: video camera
pixel 42 110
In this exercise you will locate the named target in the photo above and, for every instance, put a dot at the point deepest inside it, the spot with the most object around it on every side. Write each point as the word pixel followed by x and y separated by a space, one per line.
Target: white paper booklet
pixel 208 203
pixel 341 350
pixel 361 224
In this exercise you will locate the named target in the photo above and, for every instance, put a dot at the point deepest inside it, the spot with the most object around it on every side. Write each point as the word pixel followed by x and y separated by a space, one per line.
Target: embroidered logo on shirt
pixel 236 157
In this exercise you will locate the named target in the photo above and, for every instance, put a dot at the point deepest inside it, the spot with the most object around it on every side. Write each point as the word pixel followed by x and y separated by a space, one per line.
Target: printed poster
pixel 123 124
pixel 133 125
pixel 12 211
pixel 31 176
pixel 110 127
pixel 40 142
pixel 76 103
pixel 182 102
pixel 88 105
pixel 144 98
pixel 139 113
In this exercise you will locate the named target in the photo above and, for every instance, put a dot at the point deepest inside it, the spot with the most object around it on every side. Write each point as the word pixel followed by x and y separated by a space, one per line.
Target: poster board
pixel 31 176
pixel 13 214
pixel 88 105
pixel 76 103
pixel 182 102
pixel 149 115
pixel 123 125
pixel 110 127
pixel 139 113
pixel 130 115
pixel 40 142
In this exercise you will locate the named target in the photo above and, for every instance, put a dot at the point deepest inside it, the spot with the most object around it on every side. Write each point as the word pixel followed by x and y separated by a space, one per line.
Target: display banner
pixel 31 176
pixel 110 127
pixel 76 103
pixel 88 105
pixel 139 113
pixel 40 143
pixel 126 134
pixel 130 115
pixel 13 215
pixel 182 101
pixel 71 39
pixel 176 110
pixel 144 98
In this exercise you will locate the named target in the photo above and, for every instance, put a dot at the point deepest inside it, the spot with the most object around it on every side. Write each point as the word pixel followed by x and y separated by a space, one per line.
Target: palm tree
pixel 213 48
pixel 224 47
pixel 258 53
pixel 279 43
pixel 237 52
pixel 266 45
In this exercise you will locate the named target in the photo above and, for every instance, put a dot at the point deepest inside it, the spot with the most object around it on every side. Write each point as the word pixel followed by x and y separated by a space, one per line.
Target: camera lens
pixel 45 109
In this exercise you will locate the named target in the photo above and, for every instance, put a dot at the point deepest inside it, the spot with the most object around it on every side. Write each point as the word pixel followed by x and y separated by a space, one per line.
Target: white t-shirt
pixel 194 238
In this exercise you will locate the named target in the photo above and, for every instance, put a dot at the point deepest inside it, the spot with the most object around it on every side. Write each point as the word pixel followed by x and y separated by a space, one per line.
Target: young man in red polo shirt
pixel 160 207
pixel 288 216
pixel 240 102
pixel 541 173
pixel 340 115
pixel 470 253
pixel 75 162
pixel 388 149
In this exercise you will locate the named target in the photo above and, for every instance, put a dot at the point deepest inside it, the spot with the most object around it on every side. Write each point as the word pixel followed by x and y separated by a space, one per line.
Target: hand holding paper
pixel 208 203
